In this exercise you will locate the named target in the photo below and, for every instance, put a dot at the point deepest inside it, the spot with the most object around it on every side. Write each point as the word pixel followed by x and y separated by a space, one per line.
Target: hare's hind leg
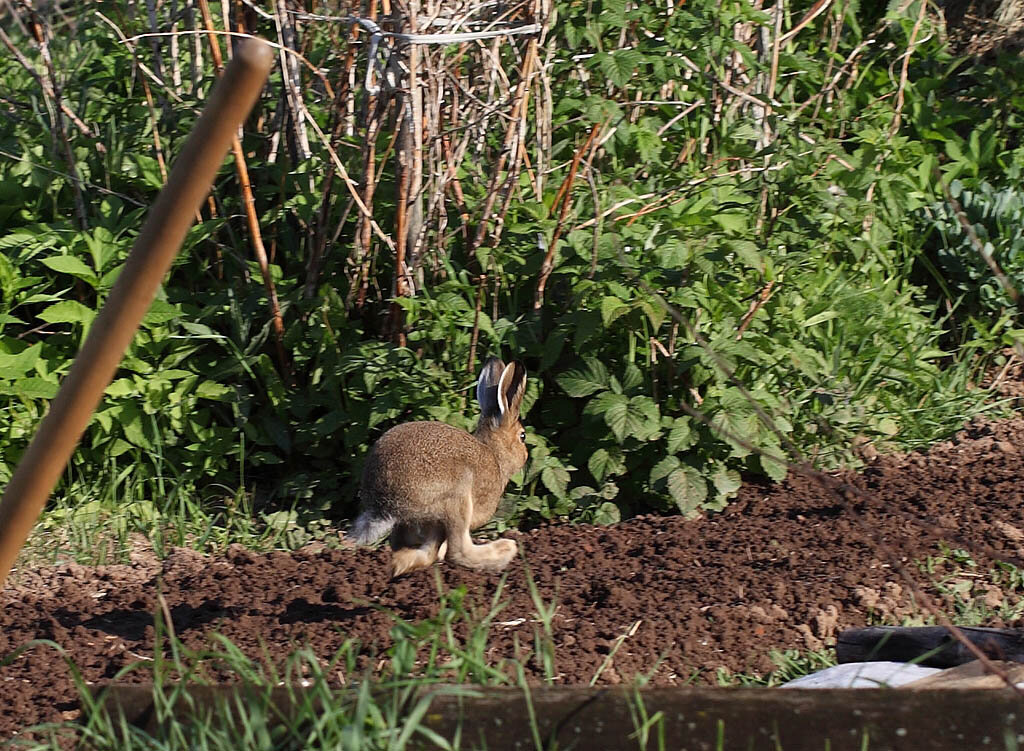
pixel 415 547
pixel 491 556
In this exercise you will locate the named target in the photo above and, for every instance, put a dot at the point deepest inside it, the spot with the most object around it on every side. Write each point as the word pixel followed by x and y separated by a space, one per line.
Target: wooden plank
pixel 969 675
pixel 695 719
pixel 931 646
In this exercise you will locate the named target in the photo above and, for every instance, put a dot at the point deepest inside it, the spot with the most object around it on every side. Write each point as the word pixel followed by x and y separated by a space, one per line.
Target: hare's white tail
pixel 368 528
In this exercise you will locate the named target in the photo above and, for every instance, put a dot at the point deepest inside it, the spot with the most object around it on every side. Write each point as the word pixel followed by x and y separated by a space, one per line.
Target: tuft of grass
pixel 104 523
pixel 435 649
pixel 971 595
pixel 790 664
pixel 543 637
pixel 382 711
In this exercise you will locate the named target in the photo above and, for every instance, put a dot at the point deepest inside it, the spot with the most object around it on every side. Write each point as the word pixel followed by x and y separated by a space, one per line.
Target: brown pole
pixel 158 243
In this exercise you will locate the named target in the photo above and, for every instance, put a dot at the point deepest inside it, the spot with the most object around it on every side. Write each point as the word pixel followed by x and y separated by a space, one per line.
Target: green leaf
pixel 584 382
pixel 39 297
pixel 953 150
pixel 67 311
pixel 731 221
pixel 618 67
pixel 825 315
pixel 262 458
pixel 587 326
pixel 888 426
pixel 619 419
pixel 149 170
pixel 17 365
pixel 555 479
pixel 680 436
pixel 136 426
pixel 632 377
pixel 726 482
pixel 159 312
pixel 648 409
pixel 175 374
pixel 70 265
pixel 747 252
pixel 105 418
pixel 607 513
pixel 637 417
pixel 108 279
pixel 687 488
pixel 664 468
pixel 648 142
pixel 603 463
pixel 118 447
pixel 673 253
pixel 613 11
pixel 200 330
pixel 552 349
pixel 35 388
pixel 655 312
pixel 121 388
pixel 775 469
pixel 612 308
pixel 213 390
pixel 738 429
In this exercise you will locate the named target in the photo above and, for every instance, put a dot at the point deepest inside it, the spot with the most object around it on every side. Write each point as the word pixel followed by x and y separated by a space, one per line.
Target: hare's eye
pixel 522 436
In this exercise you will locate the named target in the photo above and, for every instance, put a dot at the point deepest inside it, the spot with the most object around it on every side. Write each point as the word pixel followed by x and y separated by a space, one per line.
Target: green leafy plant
pixel 681 226
pixel 995 219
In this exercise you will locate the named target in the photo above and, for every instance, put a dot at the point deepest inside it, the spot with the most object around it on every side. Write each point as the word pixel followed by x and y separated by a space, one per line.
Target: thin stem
pixel 252 220
pixel 565 195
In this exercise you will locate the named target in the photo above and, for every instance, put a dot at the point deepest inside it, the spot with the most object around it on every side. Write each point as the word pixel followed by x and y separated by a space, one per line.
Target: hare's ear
pixel 487 387
pixel 511 387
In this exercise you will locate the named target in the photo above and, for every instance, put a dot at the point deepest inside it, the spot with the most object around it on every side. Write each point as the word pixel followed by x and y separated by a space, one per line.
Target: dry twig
pixel 521 99
pixel 562 202
pixel 41 34
pixel 249 205
pixel 44 85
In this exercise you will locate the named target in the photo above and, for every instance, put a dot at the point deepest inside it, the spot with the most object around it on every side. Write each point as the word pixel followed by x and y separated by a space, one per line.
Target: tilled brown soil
pixel 784 567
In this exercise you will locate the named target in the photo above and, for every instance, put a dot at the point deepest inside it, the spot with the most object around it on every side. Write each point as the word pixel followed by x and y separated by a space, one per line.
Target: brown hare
pixel 429 484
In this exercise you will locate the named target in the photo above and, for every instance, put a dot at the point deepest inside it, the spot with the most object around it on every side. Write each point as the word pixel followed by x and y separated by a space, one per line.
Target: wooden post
pixel 158 243
pixel 698 719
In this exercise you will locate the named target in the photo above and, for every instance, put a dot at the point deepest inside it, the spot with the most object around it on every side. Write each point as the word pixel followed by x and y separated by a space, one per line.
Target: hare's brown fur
pixel 430 483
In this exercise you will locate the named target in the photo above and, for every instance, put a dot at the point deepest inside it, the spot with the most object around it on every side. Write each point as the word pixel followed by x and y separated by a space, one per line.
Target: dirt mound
pixel 784 567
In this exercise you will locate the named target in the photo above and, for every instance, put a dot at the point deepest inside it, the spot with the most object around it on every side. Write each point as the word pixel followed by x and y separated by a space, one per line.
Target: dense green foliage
pixel 809 243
